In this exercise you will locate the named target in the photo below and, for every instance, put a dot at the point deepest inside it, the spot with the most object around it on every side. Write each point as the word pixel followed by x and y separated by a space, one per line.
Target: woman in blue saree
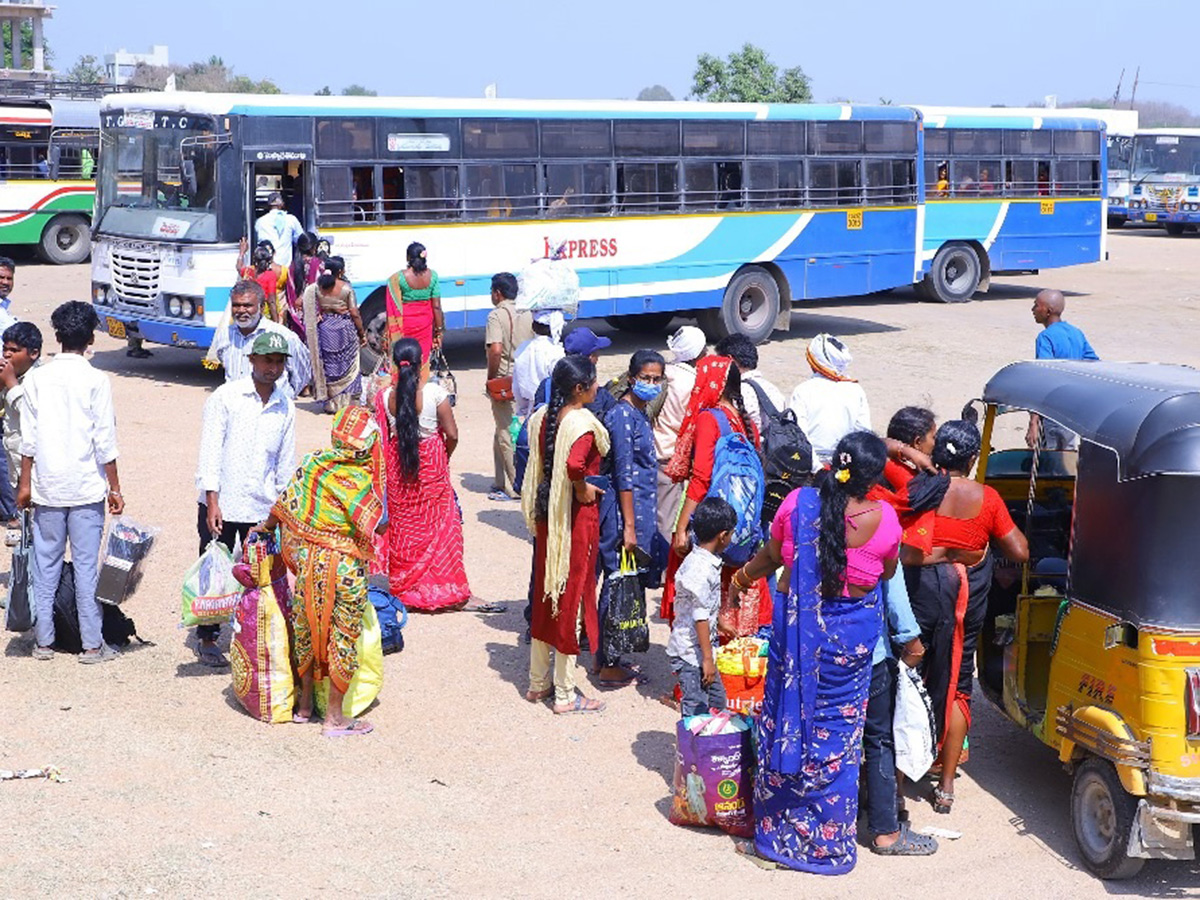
pixel 819 668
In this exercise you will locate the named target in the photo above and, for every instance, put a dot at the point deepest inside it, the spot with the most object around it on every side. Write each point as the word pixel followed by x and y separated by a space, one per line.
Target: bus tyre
pixel 1174 228
pixel 643 323
pixel 1102 817
pixel 66 240
pixel 1116 221
pixel 954 275
pixel 750 307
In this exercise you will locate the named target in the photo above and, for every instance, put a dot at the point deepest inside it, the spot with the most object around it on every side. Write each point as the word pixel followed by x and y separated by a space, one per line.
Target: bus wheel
pixel 1116 221
pixel 1102 818
pixel 954 275
pixel 750 307
pixel 643 323
pixel 1174 229
pixel 66 240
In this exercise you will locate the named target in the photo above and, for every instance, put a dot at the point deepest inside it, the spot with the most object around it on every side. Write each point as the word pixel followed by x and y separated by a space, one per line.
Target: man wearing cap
pixel 247 455
pixel 231 343
pixel 279 227
pixel 507 328
pixel 536 358
pixel 686 345
pixel 830 404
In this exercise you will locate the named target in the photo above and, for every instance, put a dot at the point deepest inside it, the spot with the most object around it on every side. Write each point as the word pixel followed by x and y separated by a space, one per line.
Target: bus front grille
pixel 135 276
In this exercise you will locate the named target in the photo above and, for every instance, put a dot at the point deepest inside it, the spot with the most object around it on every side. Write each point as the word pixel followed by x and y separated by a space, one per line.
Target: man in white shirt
pixel 247 455
pixel 232 342
pixel 8 498
pixel 830 404
pixel 68 470
pixel 761 398
pixel 536 357
pixel 279 227
pixel 687 345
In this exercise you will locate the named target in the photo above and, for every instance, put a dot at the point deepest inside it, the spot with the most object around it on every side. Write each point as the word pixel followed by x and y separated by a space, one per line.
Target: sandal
pixel 908 844
pixel 580 704
pixel 485 606
pixel 539 696
pixel 942 802
pixel 634 676
pixel 211 656
pixel 351 728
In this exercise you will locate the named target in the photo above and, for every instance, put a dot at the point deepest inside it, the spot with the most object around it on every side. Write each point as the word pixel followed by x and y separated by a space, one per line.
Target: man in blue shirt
pixel 1058 340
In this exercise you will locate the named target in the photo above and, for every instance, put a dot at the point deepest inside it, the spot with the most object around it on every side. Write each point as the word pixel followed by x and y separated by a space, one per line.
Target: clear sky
pixel 909 51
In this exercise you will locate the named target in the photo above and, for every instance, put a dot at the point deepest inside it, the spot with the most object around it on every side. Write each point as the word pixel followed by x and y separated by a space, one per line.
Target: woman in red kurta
pixel 717 395
pixel 561 509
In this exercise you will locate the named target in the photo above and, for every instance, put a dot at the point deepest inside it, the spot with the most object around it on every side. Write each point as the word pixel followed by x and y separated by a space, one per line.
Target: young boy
pixel 68 471
pixel 22 348
pixel 697 600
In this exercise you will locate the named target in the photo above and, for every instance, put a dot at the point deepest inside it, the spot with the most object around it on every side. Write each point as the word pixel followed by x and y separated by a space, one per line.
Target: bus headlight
pixel 175 307
pixel 99 293
pixel 189 308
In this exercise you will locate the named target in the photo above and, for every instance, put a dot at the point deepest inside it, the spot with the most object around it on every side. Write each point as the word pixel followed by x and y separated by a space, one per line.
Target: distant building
pixel 120 66
pixel 16 12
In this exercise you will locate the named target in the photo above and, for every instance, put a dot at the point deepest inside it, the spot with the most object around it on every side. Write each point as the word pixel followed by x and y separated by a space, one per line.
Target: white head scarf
pixel 829 357
pixel 687 343
pixel 554 318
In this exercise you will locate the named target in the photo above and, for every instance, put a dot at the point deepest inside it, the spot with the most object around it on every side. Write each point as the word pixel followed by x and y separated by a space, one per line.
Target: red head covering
pixel 711 374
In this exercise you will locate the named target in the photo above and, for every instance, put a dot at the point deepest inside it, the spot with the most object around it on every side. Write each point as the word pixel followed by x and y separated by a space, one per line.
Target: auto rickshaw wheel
pixel 1102 814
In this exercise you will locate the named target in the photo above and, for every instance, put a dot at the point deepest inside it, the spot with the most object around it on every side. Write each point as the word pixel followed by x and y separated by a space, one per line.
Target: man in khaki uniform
pixel 507 329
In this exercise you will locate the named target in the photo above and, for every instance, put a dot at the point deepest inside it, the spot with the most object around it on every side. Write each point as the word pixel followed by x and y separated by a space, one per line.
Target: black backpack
pixel 787 461
pixel 116 628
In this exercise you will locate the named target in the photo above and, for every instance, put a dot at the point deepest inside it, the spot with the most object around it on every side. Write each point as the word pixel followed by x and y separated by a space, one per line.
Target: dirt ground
pixel 465 789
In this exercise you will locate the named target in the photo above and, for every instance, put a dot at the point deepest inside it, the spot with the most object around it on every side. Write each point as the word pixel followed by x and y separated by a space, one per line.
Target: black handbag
pixel 625 628
pixel 19 615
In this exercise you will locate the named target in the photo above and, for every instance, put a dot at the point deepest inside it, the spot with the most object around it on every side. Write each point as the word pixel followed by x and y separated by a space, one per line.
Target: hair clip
pixel 404 364
pixel 845 459
pixel 842 475
pixel 950 446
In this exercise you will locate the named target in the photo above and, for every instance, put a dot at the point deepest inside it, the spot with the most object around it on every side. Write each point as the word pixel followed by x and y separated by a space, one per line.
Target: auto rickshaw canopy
pixel 1148 414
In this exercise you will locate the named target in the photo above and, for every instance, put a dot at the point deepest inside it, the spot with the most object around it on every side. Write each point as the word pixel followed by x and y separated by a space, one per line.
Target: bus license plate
pixel 1151 217
pixel 116 328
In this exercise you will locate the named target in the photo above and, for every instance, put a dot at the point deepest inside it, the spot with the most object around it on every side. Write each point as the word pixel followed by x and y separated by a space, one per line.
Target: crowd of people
pixel 879 554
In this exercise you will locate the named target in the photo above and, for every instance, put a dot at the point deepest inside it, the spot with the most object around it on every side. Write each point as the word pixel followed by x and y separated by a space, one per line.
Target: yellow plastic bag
pixel 368 680
pixel 741 657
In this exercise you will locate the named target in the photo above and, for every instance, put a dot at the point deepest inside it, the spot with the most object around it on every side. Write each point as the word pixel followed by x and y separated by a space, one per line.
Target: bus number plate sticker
pixel 1047 207
pixel 1151 217
pixel 854 219
pixel 116 327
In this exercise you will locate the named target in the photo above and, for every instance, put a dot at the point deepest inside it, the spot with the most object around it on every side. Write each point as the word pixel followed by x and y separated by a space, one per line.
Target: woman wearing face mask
pixel 634 475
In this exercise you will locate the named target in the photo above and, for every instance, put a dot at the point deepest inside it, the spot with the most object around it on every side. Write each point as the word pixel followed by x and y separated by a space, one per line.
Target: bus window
pixel 974 142
pixel 646 138
pixel 575 138
pixel 502 191
pixel 577 189
pixel 345 138
pixel 365 209
pixel 834 182
pixel 937 142
pixel 937 177
pixel 648 187
pixel 499 138
pixel 712 185
pixel 1077 143
pixel 419 192
pixel 714 138
pixel 889 181
pixel 891 138
pixel 1078 177
pixel 776 139
pixel 775 183
pixel 335 204
pixel 973 177
pixel 836 137
pixel 1028 177
pixel 1027 143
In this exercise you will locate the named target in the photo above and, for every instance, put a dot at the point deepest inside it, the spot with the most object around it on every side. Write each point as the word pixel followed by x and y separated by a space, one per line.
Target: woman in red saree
pixel 422 555
pixel 414 303
pixel 716 395
pixel 260 266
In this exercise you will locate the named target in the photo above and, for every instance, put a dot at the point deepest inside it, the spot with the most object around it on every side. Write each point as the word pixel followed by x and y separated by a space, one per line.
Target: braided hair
pixel 733 394
pixel 406 356
pixel 569 373
pixel 857 465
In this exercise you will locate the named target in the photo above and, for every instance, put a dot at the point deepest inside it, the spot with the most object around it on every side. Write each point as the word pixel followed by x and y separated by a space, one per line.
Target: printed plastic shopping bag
pixel 210 592
pixel 548 284
pixel 913 724
pixel 742 665
pixel 21 613
pixel 713 773
pixel 260 652
pixel 625 627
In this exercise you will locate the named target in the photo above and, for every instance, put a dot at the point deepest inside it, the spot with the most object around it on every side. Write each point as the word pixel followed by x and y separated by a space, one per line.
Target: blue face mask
pixel 645 391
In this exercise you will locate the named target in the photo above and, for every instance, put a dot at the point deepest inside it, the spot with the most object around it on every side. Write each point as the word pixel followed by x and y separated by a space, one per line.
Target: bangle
pixel 736 579
pixel 114 493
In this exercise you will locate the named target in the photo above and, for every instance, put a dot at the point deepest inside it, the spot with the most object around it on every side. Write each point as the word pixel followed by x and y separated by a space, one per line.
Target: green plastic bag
pixel 514 429
pixel 210 592
pixel 368 680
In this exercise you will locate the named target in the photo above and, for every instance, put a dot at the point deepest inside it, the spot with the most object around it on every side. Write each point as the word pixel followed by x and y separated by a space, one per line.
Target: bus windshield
pixel 1166 154
pixel 1119 150
pixel 159 181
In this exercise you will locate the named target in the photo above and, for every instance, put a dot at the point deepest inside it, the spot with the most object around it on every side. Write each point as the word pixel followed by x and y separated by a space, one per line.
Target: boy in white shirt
pixel 697 602
pixel 68 471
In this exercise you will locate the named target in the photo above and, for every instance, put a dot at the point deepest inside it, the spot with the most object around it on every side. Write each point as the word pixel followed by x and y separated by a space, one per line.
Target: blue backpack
pixel 392 618
pixel 521 447
pixel 737 478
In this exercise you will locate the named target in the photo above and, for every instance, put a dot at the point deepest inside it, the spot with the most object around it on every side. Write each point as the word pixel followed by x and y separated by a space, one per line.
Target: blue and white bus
pixel 1166 178
pixel 728 212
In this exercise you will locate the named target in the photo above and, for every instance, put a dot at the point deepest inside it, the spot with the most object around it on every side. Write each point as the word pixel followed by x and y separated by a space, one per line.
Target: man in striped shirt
pixel 232 343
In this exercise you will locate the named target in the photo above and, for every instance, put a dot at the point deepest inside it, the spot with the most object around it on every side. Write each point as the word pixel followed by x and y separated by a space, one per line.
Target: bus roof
pixel 1181 132
pixel 21 114
pixel 304 105
pixel 1006 117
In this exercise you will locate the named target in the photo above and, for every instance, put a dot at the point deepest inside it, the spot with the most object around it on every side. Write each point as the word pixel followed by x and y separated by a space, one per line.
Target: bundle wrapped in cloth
pixel 547 284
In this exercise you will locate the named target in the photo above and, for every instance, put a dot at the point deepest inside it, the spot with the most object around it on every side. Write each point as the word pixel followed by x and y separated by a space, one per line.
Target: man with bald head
pixel 1058 340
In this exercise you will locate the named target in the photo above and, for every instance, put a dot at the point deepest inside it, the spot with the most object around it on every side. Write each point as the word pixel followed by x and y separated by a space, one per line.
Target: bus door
pixel 266 174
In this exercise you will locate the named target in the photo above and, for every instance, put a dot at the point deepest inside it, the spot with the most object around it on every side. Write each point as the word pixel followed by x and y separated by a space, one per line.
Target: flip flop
pixel 634 677
pixel 301 720
pixel 357 726
pixel 580 704
pixel 486 607
pixel 908 844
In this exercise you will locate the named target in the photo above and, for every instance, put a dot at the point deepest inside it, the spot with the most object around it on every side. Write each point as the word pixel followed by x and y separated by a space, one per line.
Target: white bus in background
pixel 1165 187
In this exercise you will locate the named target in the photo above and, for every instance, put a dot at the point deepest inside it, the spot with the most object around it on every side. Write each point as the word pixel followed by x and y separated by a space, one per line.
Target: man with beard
pixel 247 455
pixel 231 343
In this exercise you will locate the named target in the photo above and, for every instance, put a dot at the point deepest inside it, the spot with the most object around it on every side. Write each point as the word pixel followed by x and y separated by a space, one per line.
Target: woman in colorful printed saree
pixel 414 303
pixel 335 335
pixel 819 667
pixel 948 570
pixel 330 512
pixel 423 555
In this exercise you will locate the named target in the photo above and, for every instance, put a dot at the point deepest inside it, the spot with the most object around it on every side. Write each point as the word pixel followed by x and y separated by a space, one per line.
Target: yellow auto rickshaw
pixel 1094 644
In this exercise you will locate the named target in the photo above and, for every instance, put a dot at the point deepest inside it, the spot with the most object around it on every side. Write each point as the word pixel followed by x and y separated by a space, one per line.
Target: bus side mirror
pixel 188 173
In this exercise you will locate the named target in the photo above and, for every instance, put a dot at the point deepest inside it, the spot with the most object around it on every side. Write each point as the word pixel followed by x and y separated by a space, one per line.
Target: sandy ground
pixel 464 788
